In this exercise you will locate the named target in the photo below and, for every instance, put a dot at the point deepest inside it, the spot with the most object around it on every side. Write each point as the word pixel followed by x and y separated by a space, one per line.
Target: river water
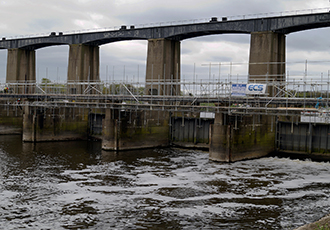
pixel 76 185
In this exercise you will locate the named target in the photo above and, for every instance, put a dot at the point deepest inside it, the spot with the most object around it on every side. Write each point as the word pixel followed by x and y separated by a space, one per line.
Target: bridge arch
pixel 312 57
pixel 52 63
pixel 123 60
pixel 202 33
pixel 37 46
pixel 208 57
pixel 104 41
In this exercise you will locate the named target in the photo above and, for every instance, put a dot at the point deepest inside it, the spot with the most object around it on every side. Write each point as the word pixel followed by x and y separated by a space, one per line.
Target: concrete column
pixel 220 139
pixel 163 64
pixel 21 68
pixel 29 124
pixel 83 66
pixel 267 58
pixel 42 124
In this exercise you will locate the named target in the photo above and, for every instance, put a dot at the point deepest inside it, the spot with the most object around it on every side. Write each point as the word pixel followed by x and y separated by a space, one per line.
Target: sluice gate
pixel 193 132
pixel 303 138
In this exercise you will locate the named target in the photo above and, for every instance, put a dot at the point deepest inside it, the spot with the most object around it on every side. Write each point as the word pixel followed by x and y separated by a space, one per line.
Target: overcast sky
pixel 37 17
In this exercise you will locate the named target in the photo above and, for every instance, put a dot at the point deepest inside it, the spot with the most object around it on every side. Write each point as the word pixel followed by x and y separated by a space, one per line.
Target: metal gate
pixel 190 130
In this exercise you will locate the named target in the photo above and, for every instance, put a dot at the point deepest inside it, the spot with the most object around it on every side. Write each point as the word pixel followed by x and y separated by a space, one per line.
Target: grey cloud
pixel 312 40
pixel 42 24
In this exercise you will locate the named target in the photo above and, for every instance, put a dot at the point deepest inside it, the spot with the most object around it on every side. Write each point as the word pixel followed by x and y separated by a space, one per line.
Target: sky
pixel 127 60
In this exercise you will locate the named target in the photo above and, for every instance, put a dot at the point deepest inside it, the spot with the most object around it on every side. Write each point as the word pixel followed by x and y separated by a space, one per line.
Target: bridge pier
pixel 127 129
pixel 163 65
pixel 234 138
pixel 21 68
pixel 83 67
pixel 267 58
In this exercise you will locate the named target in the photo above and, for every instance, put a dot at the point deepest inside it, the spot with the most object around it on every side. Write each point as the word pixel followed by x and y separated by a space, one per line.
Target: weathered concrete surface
pixel 21 68
pixel 267 58
pixel 163 65
pixel 83 66
pixel 109 130
pixel 240 138
pixel 323 223
pixel 127 130
pixel 220 147
pixel 53 125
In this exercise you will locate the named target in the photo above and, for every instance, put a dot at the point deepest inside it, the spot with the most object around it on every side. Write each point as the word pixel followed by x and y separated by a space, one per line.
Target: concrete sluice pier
pixel 235 138
pixel 126 130
pixel 41 124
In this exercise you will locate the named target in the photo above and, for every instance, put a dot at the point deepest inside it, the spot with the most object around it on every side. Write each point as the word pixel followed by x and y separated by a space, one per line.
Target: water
pixel 75 185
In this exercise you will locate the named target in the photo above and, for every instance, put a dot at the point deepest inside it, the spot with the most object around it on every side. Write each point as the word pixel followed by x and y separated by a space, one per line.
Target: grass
pixel 323 227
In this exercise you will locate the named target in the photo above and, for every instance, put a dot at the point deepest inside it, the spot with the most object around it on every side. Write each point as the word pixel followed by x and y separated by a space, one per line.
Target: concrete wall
pixel 11 119
pixel 124 130
pixel 235 138
pixel 41 124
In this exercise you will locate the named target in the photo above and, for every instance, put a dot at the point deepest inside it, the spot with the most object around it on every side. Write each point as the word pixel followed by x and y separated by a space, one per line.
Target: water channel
pixel 76 185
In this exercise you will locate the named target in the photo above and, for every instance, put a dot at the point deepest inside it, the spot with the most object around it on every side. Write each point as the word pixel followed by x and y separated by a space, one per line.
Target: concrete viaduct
pixel 163 57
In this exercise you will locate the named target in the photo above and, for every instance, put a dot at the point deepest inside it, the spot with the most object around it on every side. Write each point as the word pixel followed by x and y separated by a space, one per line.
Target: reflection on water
pixel 75 185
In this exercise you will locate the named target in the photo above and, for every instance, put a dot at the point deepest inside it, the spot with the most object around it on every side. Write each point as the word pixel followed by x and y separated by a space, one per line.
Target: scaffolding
pixel 298 95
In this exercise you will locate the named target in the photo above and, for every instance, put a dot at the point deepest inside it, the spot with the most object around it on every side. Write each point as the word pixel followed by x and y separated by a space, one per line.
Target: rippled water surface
pixel 75 185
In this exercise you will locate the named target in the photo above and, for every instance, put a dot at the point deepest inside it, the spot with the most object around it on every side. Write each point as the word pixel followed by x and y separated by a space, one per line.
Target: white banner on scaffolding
pixel 256 89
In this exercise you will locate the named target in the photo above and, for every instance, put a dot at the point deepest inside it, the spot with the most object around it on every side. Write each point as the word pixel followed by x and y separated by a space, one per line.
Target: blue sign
pixel 238 89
